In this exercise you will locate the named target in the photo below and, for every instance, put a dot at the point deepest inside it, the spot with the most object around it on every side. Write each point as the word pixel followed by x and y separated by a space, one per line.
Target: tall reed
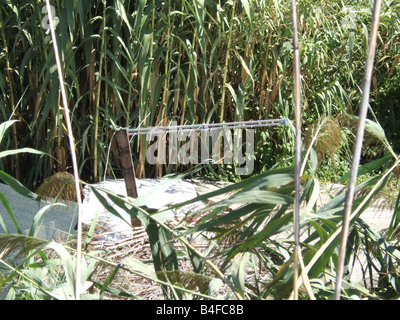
pixel 366 85
pixel 132 63
pixel 72 148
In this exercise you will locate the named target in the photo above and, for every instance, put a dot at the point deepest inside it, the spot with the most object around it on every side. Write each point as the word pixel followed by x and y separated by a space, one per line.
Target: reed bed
pixel 145 63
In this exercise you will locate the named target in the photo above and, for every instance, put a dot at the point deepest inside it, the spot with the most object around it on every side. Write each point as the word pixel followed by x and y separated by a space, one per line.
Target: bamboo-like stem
pixel 304 277
pixel 358 146
pixel 98 92
pixel 185 101
pixel 15 158
pixel 303 167
pixel 73 153
pixel 297 116
pixel 227 57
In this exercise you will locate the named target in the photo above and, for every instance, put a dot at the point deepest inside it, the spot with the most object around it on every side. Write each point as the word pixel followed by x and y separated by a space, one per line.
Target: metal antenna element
pixel 209 126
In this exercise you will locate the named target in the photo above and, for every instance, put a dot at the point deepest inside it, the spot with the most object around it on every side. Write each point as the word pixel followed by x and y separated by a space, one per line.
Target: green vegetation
pixel 131 63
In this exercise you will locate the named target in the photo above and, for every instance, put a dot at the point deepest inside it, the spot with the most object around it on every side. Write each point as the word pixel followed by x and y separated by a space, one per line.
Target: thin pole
pixel 73 153
pixel 357 147
pixel 297 115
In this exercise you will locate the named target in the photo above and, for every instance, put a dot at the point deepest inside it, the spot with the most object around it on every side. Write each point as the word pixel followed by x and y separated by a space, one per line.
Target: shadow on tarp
pixel 151 194
pixel 57 222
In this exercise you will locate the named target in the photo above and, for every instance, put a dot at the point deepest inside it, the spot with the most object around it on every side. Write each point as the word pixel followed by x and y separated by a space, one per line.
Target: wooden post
pixel 128 171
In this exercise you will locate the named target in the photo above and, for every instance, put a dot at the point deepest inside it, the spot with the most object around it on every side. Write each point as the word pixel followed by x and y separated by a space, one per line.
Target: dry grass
pixel 59 185
pixel 137 246
pixel 329 137
pixel 114 252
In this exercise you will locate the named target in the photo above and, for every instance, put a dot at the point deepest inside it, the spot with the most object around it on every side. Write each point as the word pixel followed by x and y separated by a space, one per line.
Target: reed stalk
pixel 227 58
pixel 98 97
pixel 297 115
pixel 72 149
pixel 366 86
pixel 14 161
